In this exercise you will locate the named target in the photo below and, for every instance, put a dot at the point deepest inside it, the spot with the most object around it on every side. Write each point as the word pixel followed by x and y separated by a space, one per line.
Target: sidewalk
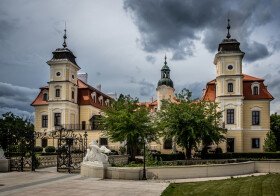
pixel 49 182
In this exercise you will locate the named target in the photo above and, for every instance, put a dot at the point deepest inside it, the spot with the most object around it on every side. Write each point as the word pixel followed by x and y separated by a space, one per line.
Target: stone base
pixel 4 165
pixel 94 169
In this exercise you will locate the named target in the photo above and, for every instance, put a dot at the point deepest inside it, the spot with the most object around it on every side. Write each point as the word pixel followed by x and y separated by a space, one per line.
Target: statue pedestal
pixel 94 169
pixel 4 165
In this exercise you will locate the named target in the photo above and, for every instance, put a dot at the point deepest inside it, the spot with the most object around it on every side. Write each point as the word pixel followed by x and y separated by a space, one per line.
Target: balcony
pixel 78 127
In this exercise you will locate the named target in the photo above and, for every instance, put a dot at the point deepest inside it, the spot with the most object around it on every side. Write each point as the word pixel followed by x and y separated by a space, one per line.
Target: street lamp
pixel 144 160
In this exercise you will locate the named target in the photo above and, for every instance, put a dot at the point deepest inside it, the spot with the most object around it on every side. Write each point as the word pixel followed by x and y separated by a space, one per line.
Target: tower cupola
pixel 165 76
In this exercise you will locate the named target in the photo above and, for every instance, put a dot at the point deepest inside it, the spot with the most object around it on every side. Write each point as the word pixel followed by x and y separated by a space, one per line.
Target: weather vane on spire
pixel 228 28
pixel 64 37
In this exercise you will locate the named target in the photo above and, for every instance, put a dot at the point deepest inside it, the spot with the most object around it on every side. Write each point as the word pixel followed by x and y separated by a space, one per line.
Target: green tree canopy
pixel 15 133
pixel 191 122
pixel 270 142
pixel 275 128
pixel 127 121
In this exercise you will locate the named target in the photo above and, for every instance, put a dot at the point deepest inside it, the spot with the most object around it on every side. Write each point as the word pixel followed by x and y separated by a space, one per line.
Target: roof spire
pixel 64 37
pixel 228 28
pixel 165 63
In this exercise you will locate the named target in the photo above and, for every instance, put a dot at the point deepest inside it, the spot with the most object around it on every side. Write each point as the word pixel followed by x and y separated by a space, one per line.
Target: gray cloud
pixel 16 98
pixel 145 88
pixel 175 25
pixel 151 59
pixel 195 88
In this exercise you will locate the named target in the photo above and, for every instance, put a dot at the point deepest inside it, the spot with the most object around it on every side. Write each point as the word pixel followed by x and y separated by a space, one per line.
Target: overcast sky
pixel 121 43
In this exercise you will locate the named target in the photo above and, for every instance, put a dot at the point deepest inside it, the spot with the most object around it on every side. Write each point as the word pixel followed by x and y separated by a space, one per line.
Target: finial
pixel 228 28
pixel 165 63
pixel 64 37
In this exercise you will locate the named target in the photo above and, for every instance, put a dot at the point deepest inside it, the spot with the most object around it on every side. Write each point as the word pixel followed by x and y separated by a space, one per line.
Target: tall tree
pixel 191 122
pixel 270 142
pixel 127 121
pixel 275 128
pixel 15 133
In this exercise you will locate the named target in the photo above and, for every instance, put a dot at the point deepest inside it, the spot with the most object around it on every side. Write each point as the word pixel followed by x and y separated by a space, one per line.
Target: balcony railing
pixel 76 127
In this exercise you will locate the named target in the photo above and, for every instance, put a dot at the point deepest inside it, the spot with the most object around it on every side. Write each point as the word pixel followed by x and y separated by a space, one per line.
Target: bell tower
pixel 165 89
pixel 63 88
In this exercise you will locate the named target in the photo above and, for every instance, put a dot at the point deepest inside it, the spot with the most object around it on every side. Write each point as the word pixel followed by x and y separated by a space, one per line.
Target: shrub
pixel 218 150
pixel 266 155
pixel 169 157
pixel 38 149
pixel 122 150
pixel 50 149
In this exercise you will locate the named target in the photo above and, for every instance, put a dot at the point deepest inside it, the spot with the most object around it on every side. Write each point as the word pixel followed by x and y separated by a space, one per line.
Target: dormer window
pixel 107 102
pixel 230 87
pixel 45 97
pixel 255 88
pixel 93 96
pixel 100 99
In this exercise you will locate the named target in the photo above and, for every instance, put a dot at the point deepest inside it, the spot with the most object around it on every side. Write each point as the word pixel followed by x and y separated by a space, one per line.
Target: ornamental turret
pixel 165 88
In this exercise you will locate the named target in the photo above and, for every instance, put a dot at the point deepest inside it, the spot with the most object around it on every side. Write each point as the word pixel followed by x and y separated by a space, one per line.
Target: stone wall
pixel 191 171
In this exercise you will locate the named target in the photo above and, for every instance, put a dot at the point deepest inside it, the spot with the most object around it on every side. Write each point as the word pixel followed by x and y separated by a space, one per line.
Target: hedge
pixel 169 157
pixel 265 155
pixel 50 149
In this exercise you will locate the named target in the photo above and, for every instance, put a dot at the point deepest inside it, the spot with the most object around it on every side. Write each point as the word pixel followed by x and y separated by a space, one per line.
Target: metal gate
pixel 71 150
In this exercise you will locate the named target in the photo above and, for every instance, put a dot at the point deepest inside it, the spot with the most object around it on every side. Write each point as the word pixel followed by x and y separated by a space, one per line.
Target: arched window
pixel 73 95
pixel 255 90
pixel 230 87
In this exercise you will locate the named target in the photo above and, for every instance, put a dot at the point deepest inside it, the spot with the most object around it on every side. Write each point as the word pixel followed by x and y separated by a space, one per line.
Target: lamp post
pixel 144 160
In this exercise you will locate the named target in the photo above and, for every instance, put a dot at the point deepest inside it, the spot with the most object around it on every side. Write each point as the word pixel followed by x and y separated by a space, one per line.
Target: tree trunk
pixel 188 153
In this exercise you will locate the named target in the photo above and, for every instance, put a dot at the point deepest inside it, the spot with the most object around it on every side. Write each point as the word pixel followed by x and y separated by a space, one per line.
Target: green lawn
pixel 253 185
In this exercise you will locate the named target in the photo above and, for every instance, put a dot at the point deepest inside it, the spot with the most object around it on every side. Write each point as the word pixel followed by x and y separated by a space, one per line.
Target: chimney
pixel 98 87
pixel 83 76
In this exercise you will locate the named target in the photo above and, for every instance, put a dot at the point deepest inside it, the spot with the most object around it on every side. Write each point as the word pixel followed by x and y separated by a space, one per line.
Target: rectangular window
pixel 230 87
pixel 255 90
pixel 103 141
pixel 83 125
pixel 255 117
pixel 44 121
pixel 57 92
pixel 57 119
pixel 44 142
pixel 255 142
pixel 73 94
pixel 230 116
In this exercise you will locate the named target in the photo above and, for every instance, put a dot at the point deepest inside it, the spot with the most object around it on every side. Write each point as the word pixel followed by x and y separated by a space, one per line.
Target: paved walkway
pixel 49 182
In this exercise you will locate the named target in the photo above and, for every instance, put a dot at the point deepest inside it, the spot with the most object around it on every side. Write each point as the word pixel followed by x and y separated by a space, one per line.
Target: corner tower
pixel 229 86
pixel 165 89
pixel 63 88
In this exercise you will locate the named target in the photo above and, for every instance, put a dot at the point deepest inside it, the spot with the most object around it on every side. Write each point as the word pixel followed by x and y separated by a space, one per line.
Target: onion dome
pixel 165 76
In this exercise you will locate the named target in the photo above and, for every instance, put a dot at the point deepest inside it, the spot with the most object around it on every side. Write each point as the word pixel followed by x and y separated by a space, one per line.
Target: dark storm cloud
pixel 273 83
pixel 175 25
pixel 12 96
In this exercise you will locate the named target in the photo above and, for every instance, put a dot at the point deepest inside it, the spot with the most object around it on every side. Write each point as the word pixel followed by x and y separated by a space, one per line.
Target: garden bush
pixel 258 156
pixel 169 157
pixel 50 149
pixel 38 149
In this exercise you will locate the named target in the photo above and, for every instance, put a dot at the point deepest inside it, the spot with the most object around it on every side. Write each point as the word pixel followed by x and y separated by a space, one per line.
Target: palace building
pixel 244 100
pixel 70 102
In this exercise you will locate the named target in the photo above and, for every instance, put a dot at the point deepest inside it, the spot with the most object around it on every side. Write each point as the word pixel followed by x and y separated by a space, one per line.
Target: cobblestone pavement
pixel 48 182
